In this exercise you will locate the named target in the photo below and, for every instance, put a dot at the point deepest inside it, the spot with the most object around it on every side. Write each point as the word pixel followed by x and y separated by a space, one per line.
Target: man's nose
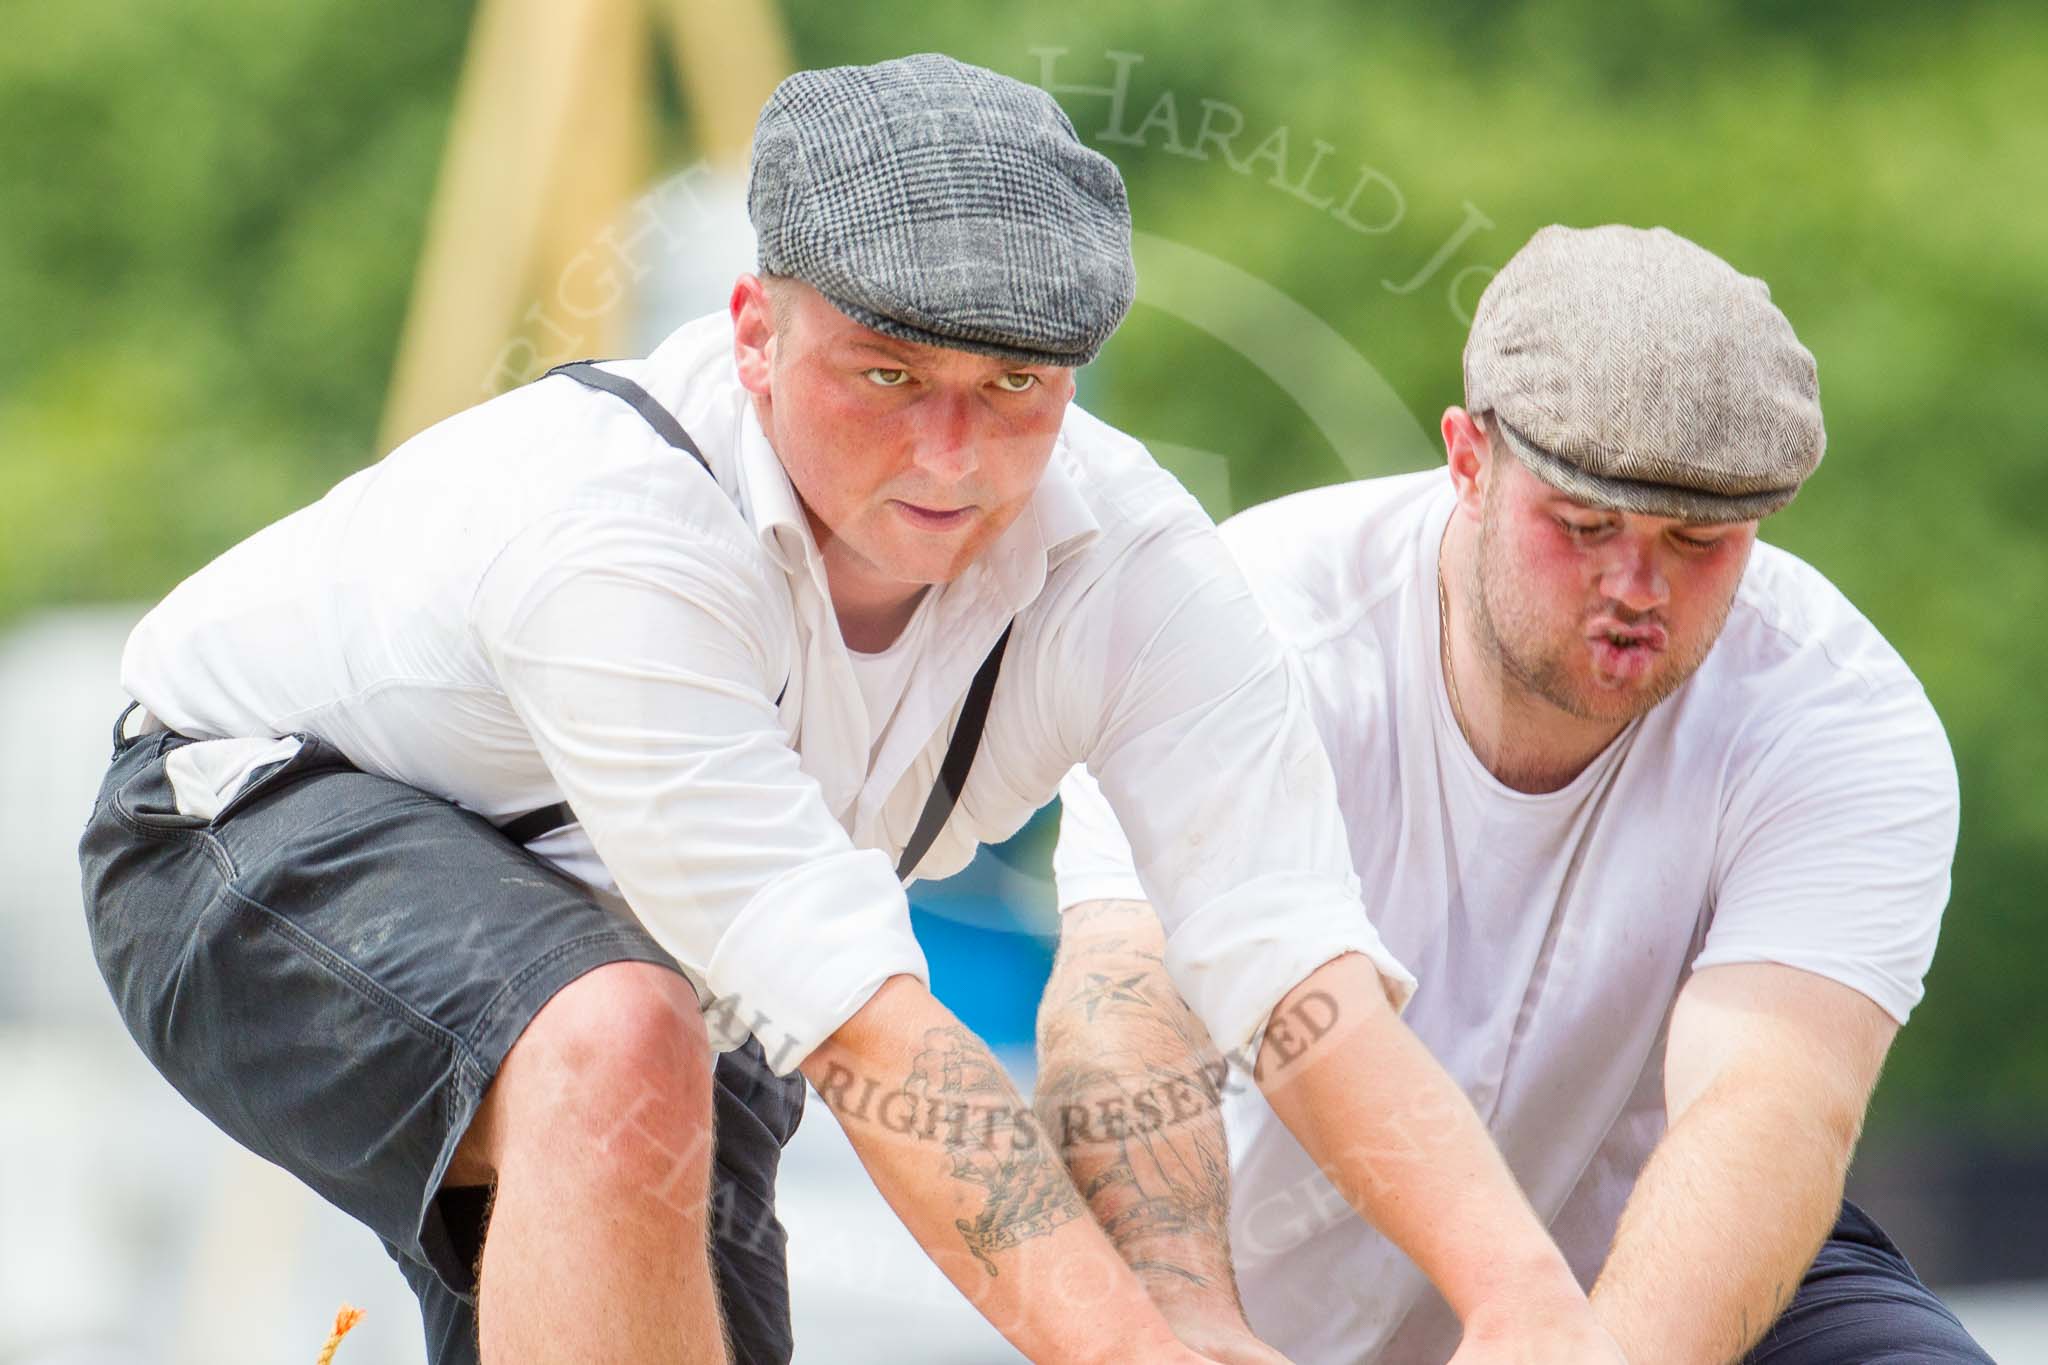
pixel 1632 578
pixel 945 435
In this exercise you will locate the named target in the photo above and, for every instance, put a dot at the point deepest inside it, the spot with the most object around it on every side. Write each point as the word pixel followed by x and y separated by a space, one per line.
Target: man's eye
pixel 889 379
pixel 1017 382
pixel 1574 529
pixel 1694 542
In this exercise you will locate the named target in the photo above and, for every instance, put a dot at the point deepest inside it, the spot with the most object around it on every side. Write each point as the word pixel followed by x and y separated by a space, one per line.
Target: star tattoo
pixel 1102 988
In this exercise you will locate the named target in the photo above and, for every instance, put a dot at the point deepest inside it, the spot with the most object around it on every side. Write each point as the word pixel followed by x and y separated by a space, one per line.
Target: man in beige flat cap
pixel 1658 820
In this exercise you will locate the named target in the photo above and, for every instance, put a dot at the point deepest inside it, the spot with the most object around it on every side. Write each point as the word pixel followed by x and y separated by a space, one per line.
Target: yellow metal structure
pixel 553 134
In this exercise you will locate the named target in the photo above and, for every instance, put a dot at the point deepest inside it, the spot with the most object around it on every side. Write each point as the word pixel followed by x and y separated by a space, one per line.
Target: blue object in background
pixel 988 934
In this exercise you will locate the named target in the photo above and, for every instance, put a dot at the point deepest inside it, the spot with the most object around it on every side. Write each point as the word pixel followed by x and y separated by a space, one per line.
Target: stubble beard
pixel 1518 645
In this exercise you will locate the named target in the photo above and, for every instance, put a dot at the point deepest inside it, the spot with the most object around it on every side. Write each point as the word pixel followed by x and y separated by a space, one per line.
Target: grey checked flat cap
pixel 1635 370
pixel 945 204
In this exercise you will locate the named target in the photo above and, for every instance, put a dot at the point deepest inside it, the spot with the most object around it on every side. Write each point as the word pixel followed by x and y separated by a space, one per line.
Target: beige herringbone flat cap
pixel 1633 369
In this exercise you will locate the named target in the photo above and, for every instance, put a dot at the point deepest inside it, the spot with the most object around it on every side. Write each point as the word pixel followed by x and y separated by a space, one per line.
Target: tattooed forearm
pixel 994 1141
pixel 1113 991
pixel 1129 1087
pixel 1146 1144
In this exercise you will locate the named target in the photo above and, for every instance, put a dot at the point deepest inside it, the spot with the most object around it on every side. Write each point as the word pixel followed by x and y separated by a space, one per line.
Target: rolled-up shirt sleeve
pixel 644 657
pixel 1215 796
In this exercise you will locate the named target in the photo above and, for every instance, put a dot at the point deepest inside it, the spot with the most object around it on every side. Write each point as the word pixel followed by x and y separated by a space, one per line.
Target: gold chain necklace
pixel 1443 616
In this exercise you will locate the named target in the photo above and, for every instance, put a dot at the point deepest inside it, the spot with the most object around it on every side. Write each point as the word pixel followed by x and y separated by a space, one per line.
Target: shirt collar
pixel 778 515
pixel 1055 525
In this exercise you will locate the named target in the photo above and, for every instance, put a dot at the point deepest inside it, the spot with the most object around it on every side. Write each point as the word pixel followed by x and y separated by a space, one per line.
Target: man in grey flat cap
pixel 491 842
pixel 1660 821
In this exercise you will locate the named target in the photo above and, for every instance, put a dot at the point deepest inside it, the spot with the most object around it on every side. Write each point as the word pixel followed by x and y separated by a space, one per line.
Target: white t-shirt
pixel 883 674
pixel 540 600
pixel 1794 802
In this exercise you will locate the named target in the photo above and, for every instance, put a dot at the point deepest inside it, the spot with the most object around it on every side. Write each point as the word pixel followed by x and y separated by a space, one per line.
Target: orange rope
pixel 345 1319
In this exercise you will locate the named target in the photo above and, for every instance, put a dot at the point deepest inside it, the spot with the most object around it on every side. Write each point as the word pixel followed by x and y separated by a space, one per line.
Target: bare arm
pixel 1766 1077
pixel 963 1162
pixel 1380 1117
pixel 1394 1134
pixel 1128 1087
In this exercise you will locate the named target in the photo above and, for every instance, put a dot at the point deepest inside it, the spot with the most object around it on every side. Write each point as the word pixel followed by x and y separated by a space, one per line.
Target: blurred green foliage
pixel 209 218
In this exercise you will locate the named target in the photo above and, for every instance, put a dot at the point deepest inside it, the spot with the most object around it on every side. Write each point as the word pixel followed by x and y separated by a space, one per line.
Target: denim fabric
pixel 1862 1303
pixel 332 969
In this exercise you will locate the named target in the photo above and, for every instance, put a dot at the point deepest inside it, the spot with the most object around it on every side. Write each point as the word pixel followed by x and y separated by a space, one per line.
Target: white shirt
pixel 1794 802
pixel 882 674
pixel 538 599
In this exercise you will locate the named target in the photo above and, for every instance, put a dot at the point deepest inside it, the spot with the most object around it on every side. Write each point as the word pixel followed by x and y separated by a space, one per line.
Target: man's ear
pixel 753 333
pixel 1466 452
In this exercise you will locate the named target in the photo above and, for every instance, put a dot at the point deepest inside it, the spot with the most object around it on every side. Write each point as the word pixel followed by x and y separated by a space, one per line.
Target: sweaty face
pixel 909 459
pixel 1602 614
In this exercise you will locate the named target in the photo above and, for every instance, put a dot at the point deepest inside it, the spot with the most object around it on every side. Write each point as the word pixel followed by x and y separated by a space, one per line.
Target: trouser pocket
pixel 199 782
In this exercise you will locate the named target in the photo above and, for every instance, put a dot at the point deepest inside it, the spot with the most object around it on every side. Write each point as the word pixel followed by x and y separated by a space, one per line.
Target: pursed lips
pixel 1640 635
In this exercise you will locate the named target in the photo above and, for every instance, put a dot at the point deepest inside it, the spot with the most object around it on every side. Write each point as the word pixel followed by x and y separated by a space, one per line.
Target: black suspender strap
pixel 945 794
pixel 960 750
pixel 526 828
pixel 959 758
pixel 586 373
pixel 530 826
